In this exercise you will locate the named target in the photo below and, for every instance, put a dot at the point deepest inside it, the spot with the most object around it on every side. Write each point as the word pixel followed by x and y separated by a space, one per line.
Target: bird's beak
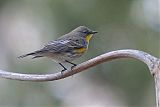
pixel 93 32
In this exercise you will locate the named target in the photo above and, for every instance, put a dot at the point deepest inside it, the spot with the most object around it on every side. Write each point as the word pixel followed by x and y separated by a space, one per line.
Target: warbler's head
pixel 84 32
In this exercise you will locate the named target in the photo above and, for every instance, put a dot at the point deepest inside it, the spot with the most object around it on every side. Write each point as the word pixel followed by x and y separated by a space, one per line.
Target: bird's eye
pixel 85 31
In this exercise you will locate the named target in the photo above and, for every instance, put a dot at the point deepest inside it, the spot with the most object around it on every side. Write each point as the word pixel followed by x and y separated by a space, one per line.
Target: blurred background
pixel 26 25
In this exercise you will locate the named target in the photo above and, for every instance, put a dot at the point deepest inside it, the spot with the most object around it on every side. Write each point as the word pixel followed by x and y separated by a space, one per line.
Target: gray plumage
pixel 63 48
pixel 66 48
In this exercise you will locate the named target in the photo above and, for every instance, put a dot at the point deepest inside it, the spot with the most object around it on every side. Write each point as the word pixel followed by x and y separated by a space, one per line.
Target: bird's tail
pixel 22 56
pixel 35 54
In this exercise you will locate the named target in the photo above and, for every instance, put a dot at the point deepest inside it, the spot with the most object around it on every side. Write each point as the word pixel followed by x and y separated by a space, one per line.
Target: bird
pixel 66 48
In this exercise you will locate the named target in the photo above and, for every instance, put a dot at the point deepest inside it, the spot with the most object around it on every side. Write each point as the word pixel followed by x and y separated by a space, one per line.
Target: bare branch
pixel 152 62
pixel 127 53
pixel 157 81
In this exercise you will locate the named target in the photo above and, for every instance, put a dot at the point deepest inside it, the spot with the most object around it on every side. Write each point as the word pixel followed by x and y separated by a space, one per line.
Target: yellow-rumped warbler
pixel 66 48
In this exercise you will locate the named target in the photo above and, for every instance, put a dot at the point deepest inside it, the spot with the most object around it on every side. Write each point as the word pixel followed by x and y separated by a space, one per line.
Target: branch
pixel 128 53
pixel 152 62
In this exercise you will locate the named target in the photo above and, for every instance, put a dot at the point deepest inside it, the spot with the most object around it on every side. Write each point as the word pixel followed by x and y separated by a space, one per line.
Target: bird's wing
pixel 59 46
pixel 64 45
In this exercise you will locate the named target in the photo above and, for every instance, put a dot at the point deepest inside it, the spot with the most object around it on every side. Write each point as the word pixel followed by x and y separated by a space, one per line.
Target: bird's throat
pixel 88 37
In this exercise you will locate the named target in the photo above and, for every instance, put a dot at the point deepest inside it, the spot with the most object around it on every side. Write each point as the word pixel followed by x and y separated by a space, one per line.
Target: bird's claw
pixel 63 71
pixel 73 66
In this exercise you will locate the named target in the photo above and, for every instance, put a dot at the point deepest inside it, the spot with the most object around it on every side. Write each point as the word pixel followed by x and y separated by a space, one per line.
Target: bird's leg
pixel 72 64
pixel 64 68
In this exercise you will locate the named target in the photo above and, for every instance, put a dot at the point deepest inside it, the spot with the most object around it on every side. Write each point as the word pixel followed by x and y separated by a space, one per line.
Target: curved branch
pixel 152 62
pixel 127 53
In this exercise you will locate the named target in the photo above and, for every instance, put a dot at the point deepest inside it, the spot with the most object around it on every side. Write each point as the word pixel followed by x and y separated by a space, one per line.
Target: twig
pixel 152 62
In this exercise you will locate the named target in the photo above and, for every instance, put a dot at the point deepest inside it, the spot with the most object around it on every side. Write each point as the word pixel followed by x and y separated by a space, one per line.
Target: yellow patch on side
pixel 81 50
pixel 88 37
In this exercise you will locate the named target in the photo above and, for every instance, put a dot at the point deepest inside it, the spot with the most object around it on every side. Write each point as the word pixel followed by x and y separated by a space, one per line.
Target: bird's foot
pixel 63 70
pixel 73 66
